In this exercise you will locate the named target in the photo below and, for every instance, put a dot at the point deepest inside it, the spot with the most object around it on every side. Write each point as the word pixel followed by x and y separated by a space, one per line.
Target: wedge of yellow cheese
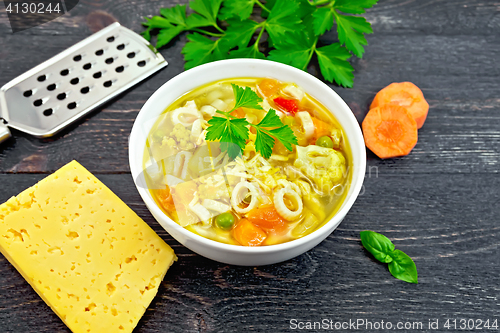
pixel 85 252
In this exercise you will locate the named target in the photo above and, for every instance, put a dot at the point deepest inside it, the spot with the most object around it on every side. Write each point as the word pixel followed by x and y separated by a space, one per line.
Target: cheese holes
pixel 72 235
pixel 110 288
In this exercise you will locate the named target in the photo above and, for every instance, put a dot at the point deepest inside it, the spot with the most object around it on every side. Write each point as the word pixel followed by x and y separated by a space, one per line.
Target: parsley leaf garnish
pixel 296 52
pixel 208 9
pixel 350 30
pixel 200 50
pixel 354 7
pixel 240 8
pixel 287 31
pixel 248 52
pixel 233 132
pixel 281 132
pixel 240 32
pixel 246 98
pixel 176 14
pixel 283 19
pixel 333 62
pixel 167 34
pixel 322 20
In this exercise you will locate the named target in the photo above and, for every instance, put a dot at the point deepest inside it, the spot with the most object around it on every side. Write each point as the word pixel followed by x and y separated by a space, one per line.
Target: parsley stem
pixel 321 2
pixel 261 129
pixel 263 27
pixel 313 49
pixel 207 32
pixel 227 114
pixel 262 6
pixel 218 28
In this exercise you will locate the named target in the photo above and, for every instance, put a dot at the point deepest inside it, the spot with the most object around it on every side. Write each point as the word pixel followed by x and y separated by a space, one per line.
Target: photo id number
pixel 33 8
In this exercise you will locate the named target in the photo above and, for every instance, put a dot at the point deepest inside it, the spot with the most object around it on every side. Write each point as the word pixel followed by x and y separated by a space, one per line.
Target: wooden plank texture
pixel 440 204
pixel 461 134
pixel 454 245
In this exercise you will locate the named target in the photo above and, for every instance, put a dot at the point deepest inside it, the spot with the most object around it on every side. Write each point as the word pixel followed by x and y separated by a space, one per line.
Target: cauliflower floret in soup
pixel 324 166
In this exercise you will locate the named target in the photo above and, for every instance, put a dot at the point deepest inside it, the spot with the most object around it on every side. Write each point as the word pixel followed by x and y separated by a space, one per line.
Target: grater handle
pixel 4 132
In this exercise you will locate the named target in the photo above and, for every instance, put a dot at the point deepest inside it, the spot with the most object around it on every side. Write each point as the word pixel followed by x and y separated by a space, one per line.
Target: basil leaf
pixel 378 245
pixel 402 267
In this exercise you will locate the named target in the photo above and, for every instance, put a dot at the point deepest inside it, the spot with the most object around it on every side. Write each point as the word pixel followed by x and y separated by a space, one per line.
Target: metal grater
pixel 54 94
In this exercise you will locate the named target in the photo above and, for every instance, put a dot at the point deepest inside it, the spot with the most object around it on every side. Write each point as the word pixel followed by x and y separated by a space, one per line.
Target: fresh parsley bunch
pixel 232 132
pixel 286 31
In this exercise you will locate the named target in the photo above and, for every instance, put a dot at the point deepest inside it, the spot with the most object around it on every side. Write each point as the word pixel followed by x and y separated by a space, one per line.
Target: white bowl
pixel 237 68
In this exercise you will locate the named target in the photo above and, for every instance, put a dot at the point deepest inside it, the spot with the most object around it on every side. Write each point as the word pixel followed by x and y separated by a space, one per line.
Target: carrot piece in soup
pixel 390 131
pixel 267 218
pixel 269 87
pixel 248 234
pixel 290 105
pixel 321 128
pixel 238 113
pixel 165 198
pixel 405 94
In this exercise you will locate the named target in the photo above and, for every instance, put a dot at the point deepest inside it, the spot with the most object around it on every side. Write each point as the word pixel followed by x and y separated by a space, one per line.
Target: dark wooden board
pixel 454 247
pixel 440 204
pixel 460 135
pixel 429 17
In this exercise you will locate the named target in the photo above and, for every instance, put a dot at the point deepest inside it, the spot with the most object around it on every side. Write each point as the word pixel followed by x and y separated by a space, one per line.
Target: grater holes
pixel 38 102
pixel 74 81
pixel 111 39
pixel 48 112
pixel 119 69
pixel 97 75
pixel 64 72
pixel 61 96
pixel 72 105
pixel 42 78
pixel 85 90
pixel 131 55
pixel 141 63
pixel 99 52
pixel 109 61
pixel 51 87
pixel 28 93
pixel 120 47
pixel 77 58
pixel 87 66
pixel 108 84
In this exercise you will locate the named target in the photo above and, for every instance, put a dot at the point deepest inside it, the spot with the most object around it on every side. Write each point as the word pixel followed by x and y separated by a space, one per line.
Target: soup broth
pixel 248 200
